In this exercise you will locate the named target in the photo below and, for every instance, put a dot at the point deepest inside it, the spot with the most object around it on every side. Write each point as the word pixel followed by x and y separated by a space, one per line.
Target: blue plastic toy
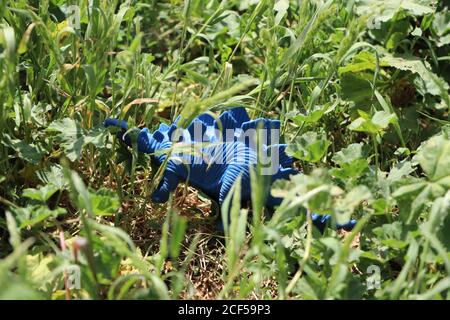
pixel 221 150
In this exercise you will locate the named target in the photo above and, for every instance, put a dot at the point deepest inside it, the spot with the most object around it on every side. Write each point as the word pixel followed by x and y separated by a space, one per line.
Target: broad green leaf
pixel 42 194
pixel 349 154
pixel 40 268
pixel 28 152
pixel 418 7
pixel 415 65
pixel 345 207
pixel 352 161
pixel 361 62
pixel 386 10
pixel 315 192
pixel 399 171
pixel 390 231
pixel 350 170
pixel 74 138
pixel 382 119
pixel 417 32
pixel 312 116
pixel 310 146
pixel 104 202
pixel 394 243
pixel 413 198
pixel 441 26
pixel 438 215
pixel 406 195
pixel 357 88
pixel 71 135
pixel 392 235
pixel 52 175
pixel 379 122
pixel 32 215
pixel 434 158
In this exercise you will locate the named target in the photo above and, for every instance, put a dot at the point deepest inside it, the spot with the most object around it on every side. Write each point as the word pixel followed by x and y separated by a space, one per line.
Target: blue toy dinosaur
pixel 222 150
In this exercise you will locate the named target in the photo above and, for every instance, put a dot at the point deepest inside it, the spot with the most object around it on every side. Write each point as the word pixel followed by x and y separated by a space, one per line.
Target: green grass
pixel 361 89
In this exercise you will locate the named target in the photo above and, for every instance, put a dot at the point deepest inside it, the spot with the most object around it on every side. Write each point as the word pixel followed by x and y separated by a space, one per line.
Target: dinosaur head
pixel 147 142
pixel 152 142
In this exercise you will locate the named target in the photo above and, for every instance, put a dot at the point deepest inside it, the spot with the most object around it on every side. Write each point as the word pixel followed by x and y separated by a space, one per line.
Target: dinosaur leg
pixel 168 184
pixel 232 173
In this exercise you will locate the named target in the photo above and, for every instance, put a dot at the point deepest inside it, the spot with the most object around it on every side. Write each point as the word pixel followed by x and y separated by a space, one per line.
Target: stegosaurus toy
pixel 223 149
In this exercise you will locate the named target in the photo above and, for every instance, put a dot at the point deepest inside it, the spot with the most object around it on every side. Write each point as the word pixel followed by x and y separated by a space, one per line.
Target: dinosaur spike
pixel 253 124
pixel 271 126
pixel 274 124
pixel 207 119
pixel 171 130
pixel 163 127
pixel 261 123
pixel 197 130
pixel 226 121
pixel 158 136
pixel 144 141
pixel 240 115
